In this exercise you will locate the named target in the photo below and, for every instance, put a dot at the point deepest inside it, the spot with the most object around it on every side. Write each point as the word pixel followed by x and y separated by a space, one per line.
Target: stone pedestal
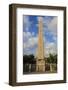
pixel 40 66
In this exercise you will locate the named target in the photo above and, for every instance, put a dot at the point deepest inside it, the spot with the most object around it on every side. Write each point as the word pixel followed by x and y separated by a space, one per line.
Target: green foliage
pixel 29 58
pixel 52 59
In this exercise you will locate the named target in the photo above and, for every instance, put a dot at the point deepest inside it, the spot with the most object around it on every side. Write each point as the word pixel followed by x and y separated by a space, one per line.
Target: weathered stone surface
pixel 40 63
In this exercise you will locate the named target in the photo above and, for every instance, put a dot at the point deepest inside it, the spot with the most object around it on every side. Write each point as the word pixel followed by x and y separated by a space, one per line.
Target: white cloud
pixel 27 35
pixel 33 33
pixel 50 47
pixel 30 40
pixel 27 22
pixel 26 19
pixel 33 41
pixel 51 25
pixel 46 21
pixel 30 44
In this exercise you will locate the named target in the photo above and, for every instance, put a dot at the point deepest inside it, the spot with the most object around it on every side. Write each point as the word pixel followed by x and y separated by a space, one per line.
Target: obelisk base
pixel 40 65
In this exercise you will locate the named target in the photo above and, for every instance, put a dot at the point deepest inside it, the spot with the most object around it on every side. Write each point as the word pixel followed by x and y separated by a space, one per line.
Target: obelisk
pixel 40 62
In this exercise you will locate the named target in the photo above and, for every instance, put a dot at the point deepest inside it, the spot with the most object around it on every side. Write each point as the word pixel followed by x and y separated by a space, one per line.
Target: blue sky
pixel 30 34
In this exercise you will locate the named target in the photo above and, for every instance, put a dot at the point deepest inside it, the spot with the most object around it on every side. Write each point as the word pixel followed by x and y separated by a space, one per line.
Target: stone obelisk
pixel 40 62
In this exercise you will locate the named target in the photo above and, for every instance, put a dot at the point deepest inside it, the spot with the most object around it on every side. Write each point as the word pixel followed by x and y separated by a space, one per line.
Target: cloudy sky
pixel 30 34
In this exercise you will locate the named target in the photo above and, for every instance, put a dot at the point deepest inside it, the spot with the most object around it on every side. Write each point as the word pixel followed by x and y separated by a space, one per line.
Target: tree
pixel 31 58
pixel 28 58
pixel 55 59
pixel 25 59
pixel 28 61
pixel 52 59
